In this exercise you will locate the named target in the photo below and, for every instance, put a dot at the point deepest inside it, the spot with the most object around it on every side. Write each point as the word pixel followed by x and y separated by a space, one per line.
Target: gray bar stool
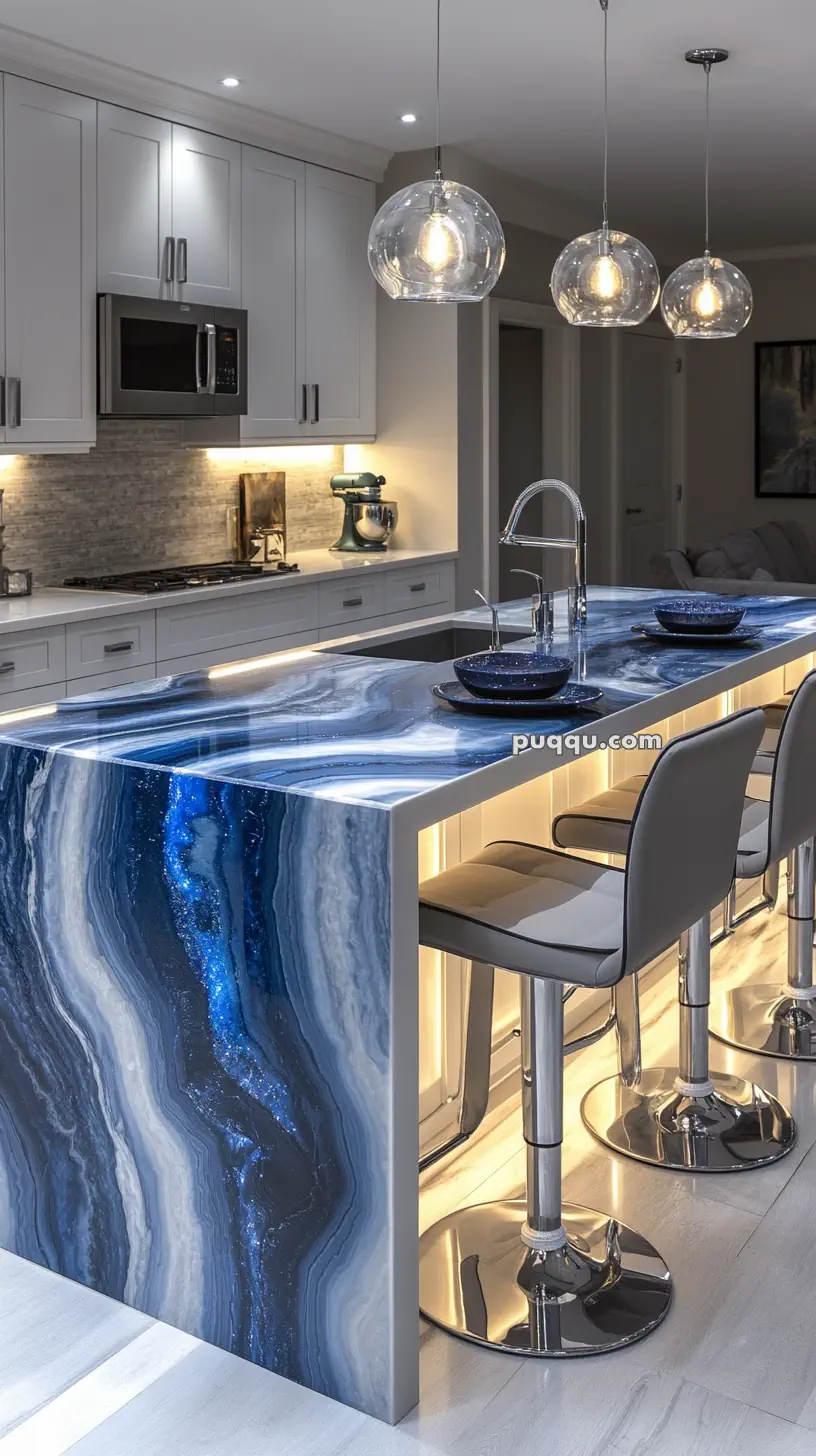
pixel 689 1117
pixel 537 1277
pixel 774 1019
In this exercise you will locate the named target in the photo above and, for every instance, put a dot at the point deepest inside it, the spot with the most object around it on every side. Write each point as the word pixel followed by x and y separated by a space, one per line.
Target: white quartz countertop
pixel 55 606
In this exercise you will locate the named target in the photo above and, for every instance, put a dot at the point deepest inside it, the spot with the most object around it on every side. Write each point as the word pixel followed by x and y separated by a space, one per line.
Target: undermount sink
pixel 440 645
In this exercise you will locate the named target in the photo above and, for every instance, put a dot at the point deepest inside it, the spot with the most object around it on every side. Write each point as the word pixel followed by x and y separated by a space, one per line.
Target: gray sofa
pixel 773 559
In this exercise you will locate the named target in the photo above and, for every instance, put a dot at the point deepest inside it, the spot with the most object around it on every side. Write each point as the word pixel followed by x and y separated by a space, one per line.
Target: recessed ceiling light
pixel 408 117
pixel 230 81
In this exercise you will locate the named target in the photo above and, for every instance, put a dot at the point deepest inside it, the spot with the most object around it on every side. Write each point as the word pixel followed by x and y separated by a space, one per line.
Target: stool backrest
pixel 684 835
pixel 793 786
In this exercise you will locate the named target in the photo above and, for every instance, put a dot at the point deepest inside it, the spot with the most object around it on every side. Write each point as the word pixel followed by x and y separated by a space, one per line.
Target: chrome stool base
pixel 736 1125
pixel 605 1288
pixel 766 1019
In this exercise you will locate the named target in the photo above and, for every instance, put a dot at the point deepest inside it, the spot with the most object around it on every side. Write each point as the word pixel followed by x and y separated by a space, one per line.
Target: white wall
pixel 720 480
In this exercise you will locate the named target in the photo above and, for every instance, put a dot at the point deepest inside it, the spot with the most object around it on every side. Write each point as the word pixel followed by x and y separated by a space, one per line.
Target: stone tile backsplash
pixel 140 499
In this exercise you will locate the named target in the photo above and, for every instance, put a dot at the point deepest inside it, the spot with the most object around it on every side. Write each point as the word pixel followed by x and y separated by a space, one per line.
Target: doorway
pixel 531 421
pixel 648 400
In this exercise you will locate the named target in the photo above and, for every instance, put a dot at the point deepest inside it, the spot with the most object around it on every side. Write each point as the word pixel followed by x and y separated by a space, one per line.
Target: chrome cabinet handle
pixel 111 647
pixel 418 586
pixel 182 260
pixel 304 408
pixel 15 402
pixel 634 510
pixel 353 602
pixel 6 667
pixel 170 260
pixel 210 331
pixel 315 420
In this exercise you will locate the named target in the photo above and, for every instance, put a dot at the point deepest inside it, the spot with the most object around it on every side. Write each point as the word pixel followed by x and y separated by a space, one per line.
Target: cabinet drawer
pixel 353 600
pixel 209 627
pixel 244 652
pixel 409 588
pixel 32 659
pixel 30 698
pixel 110 645
pixel 95 682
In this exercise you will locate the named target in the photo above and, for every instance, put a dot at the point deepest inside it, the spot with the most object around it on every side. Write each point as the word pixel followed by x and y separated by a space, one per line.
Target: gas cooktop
pixel 179 578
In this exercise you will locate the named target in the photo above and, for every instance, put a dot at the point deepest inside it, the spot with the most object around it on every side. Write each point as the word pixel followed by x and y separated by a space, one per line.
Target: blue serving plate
pixel 698 615
pixel 740 638
pixel 575 696
pixel 513 675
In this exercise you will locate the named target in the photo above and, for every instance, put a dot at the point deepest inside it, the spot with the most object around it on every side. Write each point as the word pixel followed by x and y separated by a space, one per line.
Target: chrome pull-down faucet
pixel 577 544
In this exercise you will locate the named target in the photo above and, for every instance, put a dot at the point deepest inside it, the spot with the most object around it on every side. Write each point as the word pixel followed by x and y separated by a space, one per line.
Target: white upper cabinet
pixel 169 210
pixel 311 301
pixel 207 218
pixel 273 273
pixel 341 305
pixel 135 162
pixel 49 154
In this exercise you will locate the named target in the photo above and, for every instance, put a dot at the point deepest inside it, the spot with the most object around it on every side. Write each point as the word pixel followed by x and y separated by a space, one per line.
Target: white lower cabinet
pixel 40 665
pixel 118 642
pixel 32 659
pixel 243 621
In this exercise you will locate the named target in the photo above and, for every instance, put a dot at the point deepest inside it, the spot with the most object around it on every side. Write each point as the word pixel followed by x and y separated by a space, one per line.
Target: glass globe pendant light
pixel 606 279
pixel 707 298
pixel 436 241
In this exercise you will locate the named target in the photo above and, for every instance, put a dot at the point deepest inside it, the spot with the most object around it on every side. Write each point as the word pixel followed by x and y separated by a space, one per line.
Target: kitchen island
pixel 208 976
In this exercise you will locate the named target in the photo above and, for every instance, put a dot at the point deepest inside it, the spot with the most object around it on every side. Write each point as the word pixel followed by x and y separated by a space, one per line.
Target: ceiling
pixel 521 89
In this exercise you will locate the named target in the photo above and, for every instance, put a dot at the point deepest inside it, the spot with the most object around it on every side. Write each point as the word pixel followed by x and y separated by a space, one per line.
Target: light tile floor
pixel 732 1371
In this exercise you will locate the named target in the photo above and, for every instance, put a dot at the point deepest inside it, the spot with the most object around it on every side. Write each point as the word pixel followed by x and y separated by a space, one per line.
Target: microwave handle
pixel 201 388
pixel 211 359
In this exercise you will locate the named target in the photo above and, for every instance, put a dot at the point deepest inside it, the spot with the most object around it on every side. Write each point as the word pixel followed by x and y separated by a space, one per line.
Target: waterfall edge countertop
pixel 54 606
pixel 208 976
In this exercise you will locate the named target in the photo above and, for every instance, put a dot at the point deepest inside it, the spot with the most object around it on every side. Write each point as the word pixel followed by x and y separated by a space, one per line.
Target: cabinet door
pixel 341 307
pixel 135 220
pixel 50 198
pixel 273 289
pixel 207 217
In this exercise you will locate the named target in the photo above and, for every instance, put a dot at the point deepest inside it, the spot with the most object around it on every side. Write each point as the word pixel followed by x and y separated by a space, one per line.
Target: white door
pixel 50 275
pixel 273 278
pixel 647 369
pixel 341 306
pixel 135 168
pixel 207 217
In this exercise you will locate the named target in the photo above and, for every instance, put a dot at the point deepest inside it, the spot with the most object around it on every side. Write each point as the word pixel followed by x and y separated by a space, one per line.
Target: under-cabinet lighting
pixel 279 455
pixel 20 714
pixel 276 659
pixel 6 462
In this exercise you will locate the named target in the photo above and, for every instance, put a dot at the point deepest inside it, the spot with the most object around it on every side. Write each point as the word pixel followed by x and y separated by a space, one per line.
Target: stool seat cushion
pixel 603 823
pixel 530 910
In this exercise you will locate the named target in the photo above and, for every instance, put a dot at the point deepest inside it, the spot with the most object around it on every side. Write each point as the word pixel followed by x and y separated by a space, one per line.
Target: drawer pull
pixel 353 602
pixel 6 667
pixel 112 647
pixel 418 586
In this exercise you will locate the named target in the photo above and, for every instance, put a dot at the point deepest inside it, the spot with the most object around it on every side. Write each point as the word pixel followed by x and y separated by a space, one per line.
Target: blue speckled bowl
pixel 513 674
pixel 703 615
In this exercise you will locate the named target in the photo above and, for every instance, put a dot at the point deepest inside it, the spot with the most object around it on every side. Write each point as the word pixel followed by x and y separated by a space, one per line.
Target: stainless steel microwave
pixel 157 357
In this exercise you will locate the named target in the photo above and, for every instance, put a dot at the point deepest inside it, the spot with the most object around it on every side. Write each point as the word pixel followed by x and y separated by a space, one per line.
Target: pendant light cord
pixel 707 149
pixel 605 9
pixel 438 63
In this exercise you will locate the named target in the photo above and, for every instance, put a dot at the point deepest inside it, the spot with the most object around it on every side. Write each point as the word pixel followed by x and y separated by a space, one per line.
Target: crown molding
pixel 785 250
pixel 41 60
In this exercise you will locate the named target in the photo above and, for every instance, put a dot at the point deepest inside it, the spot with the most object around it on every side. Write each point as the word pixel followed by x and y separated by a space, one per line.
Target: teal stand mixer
pixel 368 520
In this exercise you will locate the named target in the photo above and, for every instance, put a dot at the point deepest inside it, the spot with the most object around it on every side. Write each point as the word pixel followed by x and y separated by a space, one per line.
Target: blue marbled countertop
pixel 366 730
